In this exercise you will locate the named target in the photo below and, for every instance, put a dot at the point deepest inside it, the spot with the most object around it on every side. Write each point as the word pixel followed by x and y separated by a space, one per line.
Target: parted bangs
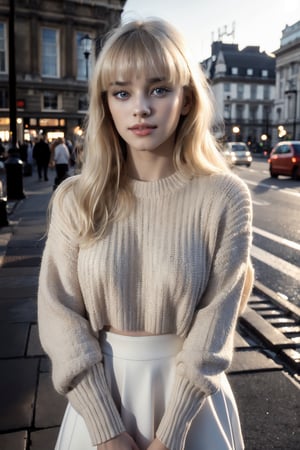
pixel 140 51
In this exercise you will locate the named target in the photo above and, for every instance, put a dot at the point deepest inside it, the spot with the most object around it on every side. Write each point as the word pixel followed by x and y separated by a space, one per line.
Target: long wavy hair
pixel 102 191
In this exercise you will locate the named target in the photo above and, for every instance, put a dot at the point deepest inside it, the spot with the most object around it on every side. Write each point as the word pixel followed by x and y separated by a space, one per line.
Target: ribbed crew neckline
pixel 160 187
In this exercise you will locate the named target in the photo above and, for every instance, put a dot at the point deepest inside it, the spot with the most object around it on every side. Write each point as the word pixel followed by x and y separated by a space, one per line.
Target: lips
pixel 142 129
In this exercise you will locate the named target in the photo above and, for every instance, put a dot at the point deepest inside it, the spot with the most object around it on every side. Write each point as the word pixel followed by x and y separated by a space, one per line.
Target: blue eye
pixel 121 95
pixel 160 91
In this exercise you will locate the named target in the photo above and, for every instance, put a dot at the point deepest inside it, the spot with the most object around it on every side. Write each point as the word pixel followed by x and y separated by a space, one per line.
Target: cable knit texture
pixel 177 264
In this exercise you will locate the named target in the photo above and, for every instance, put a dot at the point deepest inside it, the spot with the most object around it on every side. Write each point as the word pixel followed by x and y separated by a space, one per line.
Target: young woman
pixel 146 265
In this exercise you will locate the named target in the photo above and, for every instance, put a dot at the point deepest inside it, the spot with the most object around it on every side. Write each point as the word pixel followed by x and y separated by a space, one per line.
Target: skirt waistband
pixel 140 348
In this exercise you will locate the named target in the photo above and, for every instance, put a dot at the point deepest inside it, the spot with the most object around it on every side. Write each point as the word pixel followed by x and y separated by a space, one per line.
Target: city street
pixel 52 80
pixel 276 243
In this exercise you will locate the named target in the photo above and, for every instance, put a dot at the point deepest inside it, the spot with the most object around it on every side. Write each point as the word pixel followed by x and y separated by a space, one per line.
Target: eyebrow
pixel 149 80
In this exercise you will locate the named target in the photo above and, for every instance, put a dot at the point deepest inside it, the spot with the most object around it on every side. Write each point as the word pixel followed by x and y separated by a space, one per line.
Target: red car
pixel 285 159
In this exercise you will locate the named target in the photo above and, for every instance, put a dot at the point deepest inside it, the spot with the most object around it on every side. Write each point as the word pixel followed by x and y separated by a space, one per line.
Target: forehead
pixel 124 62
pixel 138 71
pixel 142 79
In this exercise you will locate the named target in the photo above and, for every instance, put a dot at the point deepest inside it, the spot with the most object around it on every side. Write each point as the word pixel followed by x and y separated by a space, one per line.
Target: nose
pixel 142 113
pixel 142 108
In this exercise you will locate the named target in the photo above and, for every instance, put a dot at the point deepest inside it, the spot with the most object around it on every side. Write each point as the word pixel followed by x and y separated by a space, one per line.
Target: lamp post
pixel 12 76
pixel 295 93
pixel 86 40
pixel 236 131
pixel 227 117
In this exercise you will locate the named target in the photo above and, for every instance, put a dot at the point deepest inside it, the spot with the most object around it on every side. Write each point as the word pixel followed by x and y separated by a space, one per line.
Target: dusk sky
pixel 256 22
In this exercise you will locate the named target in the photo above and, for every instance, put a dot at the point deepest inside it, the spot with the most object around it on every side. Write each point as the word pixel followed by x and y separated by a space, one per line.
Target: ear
pixel 187 101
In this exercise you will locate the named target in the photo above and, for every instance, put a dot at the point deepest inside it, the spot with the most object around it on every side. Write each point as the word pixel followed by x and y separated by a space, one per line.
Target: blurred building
pixel 243 82
pixel 56 42
pixel 287 98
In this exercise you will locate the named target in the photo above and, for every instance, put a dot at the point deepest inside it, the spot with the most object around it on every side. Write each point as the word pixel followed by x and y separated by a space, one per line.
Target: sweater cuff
pixel 91 398
pixel 185 402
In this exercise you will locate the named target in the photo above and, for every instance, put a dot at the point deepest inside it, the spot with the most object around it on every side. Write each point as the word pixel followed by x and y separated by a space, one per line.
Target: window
pixel 234 71
pixel 282 149
pixel 264 73
pixel 253 91
pixel 281 88
pixel 266 92
pixel 83 102
pixel 50 101
pixel 50 53
pixel 84 56
pixel 239 111
pixel 249 72
pixel 294 68
pixel 240 91
pixel 227 87
pixel 266 113
pixel 2 48
pixel 253 113
pixel 291 106
pixel 278 115
pixel 227 111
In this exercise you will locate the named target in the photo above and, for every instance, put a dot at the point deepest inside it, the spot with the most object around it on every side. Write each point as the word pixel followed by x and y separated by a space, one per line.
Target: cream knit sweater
pixel 177 264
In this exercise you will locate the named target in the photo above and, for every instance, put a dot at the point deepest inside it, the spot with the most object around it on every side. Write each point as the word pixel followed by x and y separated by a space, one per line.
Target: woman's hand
pixel 121 442
pixel 156 445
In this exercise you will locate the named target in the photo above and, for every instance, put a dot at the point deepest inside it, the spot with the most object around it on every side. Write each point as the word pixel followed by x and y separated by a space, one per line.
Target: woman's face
pixel 146 111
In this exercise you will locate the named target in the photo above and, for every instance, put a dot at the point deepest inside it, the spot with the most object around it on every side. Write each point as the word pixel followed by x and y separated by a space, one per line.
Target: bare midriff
pixel 126 333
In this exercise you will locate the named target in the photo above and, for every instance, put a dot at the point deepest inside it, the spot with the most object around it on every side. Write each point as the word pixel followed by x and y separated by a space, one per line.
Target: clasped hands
pixel 125 442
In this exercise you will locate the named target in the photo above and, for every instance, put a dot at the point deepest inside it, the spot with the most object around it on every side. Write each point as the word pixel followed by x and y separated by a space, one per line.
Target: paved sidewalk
pixel 30 410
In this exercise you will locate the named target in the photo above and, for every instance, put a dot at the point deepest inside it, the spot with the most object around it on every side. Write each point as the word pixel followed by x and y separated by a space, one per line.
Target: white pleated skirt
pixel 140 373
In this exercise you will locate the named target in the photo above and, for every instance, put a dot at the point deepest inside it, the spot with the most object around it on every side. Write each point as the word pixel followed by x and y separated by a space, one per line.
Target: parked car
pixel 285 159
pixel 237 153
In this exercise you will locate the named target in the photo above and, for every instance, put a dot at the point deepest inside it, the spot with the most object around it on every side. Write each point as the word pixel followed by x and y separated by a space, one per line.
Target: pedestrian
pixel 61 158
pixel 41 154
pixel 146 265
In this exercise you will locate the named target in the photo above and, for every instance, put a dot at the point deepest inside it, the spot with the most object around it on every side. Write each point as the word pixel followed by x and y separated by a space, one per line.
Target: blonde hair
pixel 102 191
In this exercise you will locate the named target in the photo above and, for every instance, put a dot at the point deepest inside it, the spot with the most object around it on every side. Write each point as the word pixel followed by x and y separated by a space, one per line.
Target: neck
pixel 148 170
pixel 148 166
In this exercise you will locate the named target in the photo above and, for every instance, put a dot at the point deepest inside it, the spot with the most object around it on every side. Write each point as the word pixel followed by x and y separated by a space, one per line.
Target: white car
pixel 237 153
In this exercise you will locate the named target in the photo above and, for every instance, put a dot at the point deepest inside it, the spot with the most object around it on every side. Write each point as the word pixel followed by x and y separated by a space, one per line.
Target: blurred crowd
pixel 61 155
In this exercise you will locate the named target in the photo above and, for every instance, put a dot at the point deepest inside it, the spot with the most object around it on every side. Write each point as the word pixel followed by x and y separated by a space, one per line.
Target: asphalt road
pixel 276 240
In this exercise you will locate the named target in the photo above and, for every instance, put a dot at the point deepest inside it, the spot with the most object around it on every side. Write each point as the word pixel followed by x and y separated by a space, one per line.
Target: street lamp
pixel 227 117
pixel 87 44
pixel 281 131
pixel 236 131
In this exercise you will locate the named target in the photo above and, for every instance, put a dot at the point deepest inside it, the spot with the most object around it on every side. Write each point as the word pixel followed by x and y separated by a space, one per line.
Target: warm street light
pixel 235 131
pixel 281 131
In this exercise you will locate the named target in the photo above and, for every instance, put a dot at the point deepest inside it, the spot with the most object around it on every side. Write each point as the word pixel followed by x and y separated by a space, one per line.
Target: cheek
pixel 114 113
pixel 173 112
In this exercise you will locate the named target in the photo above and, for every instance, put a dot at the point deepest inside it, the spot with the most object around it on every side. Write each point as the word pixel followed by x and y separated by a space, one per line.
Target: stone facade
pixel 52 64
pixel 243 83
pixel 286 115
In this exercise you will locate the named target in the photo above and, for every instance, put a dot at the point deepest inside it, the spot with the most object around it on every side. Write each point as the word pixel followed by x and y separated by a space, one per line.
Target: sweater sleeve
pixel 208 347
pixel 65 331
